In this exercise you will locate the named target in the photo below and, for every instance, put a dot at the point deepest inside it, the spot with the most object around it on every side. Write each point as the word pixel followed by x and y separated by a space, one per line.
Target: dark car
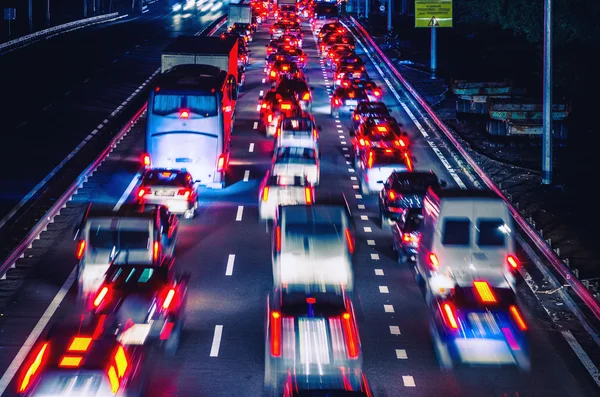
pixel 368 109
pixel 299 89
pixel 346 100
pixel 404 190
pixel 406 234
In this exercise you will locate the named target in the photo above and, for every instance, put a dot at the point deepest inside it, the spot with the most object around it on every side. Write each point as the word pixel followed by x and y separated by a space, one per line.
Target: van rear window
pixel 456 231
pixel 491 233
pixel 203 105
pixel 120 239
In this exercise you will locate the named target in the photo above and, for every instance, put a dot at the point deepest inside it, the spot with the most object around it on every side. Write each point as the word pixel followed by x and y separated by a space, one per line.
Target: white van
pixel 313 245
pixel 467 235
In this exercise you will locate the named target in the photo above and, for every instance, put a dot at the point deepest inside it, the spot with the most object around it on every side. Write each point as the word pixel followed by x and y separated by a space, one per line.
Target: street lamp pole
pixel 547 109
pixel 389 16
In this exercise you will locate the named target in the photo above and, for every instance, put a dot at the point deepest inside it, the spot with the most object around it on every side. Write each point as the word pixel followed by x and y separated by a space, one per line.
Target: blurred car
pixel 378 133
pixel 335 54
pixel 367 109
pixel 299 131
pixel 276 190
pixel 403 190
pixel 287 107
pixel 171 188
pixel 143 304
pixel 273 47
pixel 374 93
pixel 479 325
pixel 144 234
pixel 72 362
pixel 346 100
pixel 297 161
pixel 296 55
pixel 280 69
pixel 299 89
pixel 375 166
pixel 346 383
pixel 345 71
pixel 406 233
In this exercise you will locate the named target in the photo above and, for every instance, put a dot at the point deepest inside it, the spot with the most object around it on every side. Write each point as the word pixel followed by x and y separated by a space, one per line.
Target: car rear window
pixel 297 124
pixel 491 232
pixel 456 231
pixel 170 178
pixel 295 152
pixel 387 158
pixel 326 305
pixel 414 182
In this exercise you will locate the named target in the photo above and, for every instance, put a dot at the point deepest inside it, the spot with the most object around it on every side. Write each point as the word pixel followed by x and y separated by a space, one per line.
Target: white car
pixel 297 132
pixel 282 190
pixel 376 165
pixel 297 161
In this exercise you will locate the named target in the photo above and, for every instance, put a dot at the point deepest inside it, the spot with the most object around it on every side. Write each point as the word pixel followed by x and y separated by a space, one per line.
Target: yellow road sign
pixel 433 13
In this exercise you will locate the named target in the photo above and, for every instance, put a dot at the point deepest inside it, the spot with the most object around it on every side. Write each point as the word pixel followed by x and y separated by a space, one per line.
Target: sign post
pixel 10 14
pixel 433 14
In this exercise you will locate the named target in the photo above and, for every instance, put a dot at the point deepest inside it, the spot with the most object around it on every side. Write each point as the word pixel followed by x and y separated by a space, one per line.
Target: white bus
pixel 189 122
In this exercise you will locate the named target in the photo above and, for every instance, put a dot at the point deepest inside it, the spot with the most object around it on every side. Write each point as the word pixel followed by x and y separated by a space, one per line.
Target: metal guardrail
pixel 56 29
pixel 61 202
pixel 533 235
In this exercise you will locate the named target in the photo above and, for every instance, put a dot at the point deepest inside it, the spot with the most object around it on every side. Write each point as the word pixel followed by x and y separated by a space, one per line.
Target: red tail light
pixel 315 134
pixel 400 142
pixel 518 318
pixel 339 76
pixel 146 160
pixel 184 192
pixel 410 237
pixel 272 74
pixel 264 106
pixel 377 93
pixel 306 96
pixel 484 292
pixel 351 335
pixel 80 249
pixel 269 118
pixel 408 162
pixel 337 102
pixel 277 132
pixel 433 261
pixel 512 262
pixel 308 195
pixel 221 163
pixel 169 299
pixel 275 334
pixel 33 367
pixel 301 59
pixel 370 160
pixel 156 250
pixel 392 195
pixel 143 191
pixel 184 114
pixel 449 316
pixel 265 193
pixel 356 117
pixel 349 240
pixel 286 106
pixel 101 296
pixel 278 238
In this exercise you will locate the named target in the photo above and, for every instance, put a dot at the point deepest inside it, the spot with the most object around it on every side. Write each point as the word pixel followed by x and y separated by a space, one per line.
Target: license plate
pixel 165 193
pixel 136 335
pixel 351 103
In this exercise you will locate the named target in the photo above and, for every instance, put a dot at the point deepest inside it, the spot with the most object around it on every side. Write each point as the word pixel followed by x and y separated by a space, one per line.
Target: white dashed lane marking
pixel 375 257
pixel 240 212
pixel 408 380
pixel 394 330
pixel 401 354
pixel 251 148
pixel 388 309
pixel 370 242
pixel 364 218
pixel 367 229
pixel 361 206
pixel 379 272
pixel 383 289
pixel 246 175
pixel 216 343
pixel 230 261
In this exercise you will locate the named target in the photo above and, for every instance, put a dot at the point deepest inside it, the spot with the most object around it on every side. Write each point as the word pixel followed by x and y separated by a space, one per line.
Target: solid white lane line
pixel 16 363
pixel 367 229
pixel 383 289
pixel 251 148
pixel 230 261
pixel 394 330
pixel 401 354
pixel 240 212
pixel 583 357
pixel 246 175
pixel 408 380
pixel 216 343
pixel 364 218
pixel 375 257
pixel 127 191
pixel 370 242
pixel 361 206
pixel 379 272
pixel 255 126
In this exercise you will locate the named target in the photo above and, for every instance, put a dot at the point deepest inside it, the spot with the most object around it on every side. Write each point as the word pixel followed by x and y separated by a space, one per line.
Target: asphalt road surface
pixel 222 350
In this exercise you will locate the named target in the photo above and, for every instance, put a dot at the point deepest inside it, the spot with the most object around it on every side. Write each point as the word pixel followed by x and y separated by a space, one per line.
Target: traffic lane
pixel 85 102
pixel 51 260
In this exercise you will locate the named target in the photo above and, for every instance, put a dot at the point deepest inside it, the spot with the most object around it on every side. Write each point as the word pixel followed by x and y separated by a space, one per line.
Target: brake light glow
pixel 80 249
pixel 382 128
pixel 156 250
pixel 80 344
pixel 264 105
pixel 306 96
pixel 276 334
pixel 449 315
pixel 337 102
pixel 142 192
pixel 315 133
pixel 392 195
pixel 146 160
pixel 285 68
pixel 221 163
pixel 169 298
pixel 184 192
pixel 377 93
pixel 370 160
pixel 409 237
pixel 512 261
pixel 351 337
pixel 121 361
pixel 356 117
pixel 308 195
pixel 408 162
pixel 286 106
pixel 114 379
pixel 70 361
pixel 433 259
pixel 518 318
pixel 100 297
pixel 33 367
pixel 349 241
pixel 400 142
pixel 484 291
pixel 184 114
pixel 278 238
pixel 265 193
pixel 272 74
pixel 269 118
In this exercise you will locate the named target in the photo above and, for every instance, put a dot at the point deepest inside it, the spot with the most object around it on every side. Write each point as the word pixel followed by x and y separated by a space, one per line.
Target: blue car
pixel 479 325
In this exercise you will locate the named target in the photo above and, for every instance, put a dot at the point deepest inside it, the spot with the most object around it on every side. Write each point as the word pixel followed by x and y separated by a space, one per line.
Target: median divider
pixel 561 268
pixel 56 30
pixel 60 203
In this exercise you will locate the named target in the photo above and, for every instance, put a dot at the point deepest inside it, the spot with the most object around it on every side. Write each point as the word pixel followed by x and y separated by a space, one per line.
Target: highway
pixel 58 90
pixel 227 250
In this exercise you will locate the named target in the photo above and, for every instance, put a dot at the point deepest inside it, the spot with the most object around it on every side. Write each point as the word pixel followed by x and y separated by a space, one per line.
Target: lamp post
pixel 547 106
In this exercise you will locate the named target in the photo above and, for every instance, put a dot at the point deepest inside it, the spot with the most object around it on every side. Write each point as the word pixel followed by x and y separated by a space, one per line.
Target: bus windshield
pixel 197 104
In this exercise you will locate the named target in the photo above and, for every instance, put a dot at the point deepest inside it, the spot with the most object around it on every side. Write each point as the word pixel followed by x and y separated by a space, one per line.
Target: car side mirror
pixel 443 183
pixel 312 88
pixel 320 128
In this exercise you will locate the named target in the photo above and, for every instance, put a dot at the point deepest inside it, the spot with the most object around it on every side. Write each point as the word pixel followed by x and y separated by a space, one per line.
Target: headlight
pixel 177 7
